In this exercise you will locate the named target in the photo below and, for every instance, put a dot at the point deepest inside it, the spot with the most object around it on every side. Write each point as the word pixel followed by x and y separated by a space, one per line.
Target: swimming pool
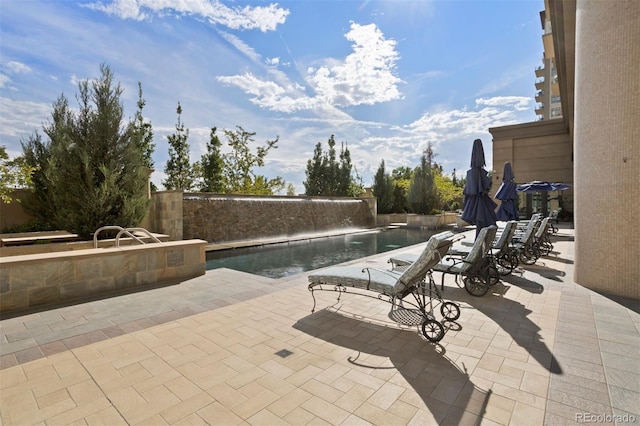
pixel 286 259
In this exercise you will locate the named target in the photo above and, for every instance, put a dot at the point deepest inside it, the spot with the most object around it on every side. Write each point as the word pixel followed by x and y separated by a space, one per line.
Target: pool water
pixel 286 259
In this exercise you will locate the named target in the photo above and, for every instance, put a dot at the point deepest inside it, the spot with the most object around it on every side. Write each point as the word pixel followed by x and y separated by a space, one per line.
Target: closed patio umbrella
pixel 508 195
pixel 479 208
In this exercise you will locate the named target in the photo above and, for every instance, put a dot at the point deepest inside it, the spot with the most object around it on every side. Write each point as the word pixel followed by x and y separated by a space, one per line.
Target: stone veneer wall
pixel 35 280
pixel 434 221
pixel 165 214
pixel 219 218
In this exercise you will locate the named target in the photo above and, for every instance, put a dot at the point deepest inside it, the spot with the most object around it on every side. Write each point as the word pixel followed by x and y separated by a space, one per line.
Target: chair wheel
pixel 450 311
pixel 493 275
pixel 432 330
pixel 476 285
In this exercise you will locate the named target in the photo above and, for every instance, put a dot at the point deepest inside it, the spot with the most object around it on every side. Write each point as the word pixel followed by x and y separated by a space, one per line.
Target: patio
pixel 233 348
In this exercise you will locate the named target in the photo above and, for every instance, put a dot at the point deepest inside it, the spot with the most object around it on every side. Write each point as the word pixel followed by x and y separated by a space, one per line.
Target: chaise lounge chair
pixel 541 241
pixel 523 244
pixel 395 286
pixel 474 268
pixel 502 257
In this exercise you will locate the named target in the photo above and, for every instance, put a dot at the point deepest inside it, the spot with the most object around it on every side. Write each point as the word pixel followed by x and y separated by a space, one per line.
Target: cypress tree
pixel 212 165
pixel 91 172
pixel 180 173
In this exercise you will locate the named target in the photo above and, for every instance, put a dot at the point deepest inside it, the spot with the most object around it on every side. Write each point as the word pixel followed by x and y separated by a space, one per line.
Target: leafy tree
pixel 383 188
pixel 291 190
pixel 401 178
pixel 326 176
pixel 356 185
pixel 212 165
pixel 448 194
pixel 180 173
pixel 14 174
pixel 91 171
pixel 239 172
pixel 422 192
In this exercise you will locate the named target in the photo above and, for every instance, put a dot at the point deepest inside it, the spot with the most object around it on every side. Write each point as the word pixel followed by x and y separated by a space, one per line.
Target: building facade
pixel 596 48
pixel 548 102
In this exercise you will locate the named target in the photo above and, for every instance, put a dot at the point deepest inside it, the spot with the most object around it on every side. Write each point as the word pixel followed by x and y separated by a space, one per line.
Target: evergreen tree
pixel 212 165
pixel 91 172
pixel 422 192
pixel 326 176
pixel 142 132
pixel 180 173
pixel 314 183
pixel 344 181
pixel 383 189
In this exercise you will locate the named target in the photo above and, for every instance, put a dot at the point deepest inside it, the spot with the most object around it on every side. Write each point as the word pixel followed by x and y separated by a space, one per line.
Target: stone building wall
pixel 540 150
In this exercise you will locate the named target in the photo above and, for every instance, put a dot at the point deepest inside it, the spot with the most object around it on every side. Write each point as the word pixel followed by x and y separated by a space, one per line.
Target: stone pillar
pixel 607 146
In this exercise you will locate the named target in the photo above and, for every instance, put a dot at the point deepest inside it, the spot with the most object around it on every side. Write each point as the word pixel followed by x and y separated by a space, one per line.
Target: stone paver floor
pixel 231 348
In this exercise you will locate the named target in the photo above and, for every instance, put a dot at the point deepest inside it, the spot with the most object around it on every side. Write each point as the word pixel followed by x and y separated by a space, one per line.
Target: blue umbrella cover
pixel 508 195
pixel 479 208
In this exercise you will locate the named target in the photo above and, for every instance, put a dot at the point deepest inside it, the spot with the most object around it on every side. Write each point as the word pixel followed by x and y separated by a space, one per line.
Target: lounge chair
pixel 395 286
pixel 541 241
pixel 553 218
pixel 501 255
pixel 523 244
pixel 474 268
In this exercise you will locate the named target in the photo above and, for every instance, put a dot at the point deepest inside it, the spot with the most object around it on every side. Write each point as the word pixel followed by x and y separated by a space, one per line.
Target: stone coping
pixel 91 252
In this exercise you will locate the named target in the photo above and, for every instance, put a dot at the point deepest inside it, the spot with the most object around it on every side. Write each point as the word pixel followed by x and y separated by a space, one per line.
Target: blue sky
pixel 386 77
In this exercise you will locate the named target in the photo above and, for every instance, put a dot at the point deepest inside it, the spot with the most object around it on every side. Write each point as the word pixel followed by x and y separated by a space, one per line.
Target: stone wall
pixel 36 280
pixel 435 221
pixel 165 214
pixel 219 218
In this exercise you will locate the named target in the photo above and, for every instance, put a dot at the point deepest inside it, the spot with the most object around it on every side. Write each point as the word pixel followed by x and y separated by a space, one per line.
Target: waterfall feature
pixel 219 218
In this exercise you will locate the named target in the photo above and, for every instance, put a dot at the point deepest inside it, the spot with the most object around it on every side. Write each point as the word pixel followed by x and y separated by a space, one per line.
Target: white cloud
pixel 21 118
pixel 4 80
pixel 17 67
pixel 241 46
pixel 519 103
pixel 273 61
pixel 264 18
pixel 11 68
pixel 447 129
pixel 365 77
